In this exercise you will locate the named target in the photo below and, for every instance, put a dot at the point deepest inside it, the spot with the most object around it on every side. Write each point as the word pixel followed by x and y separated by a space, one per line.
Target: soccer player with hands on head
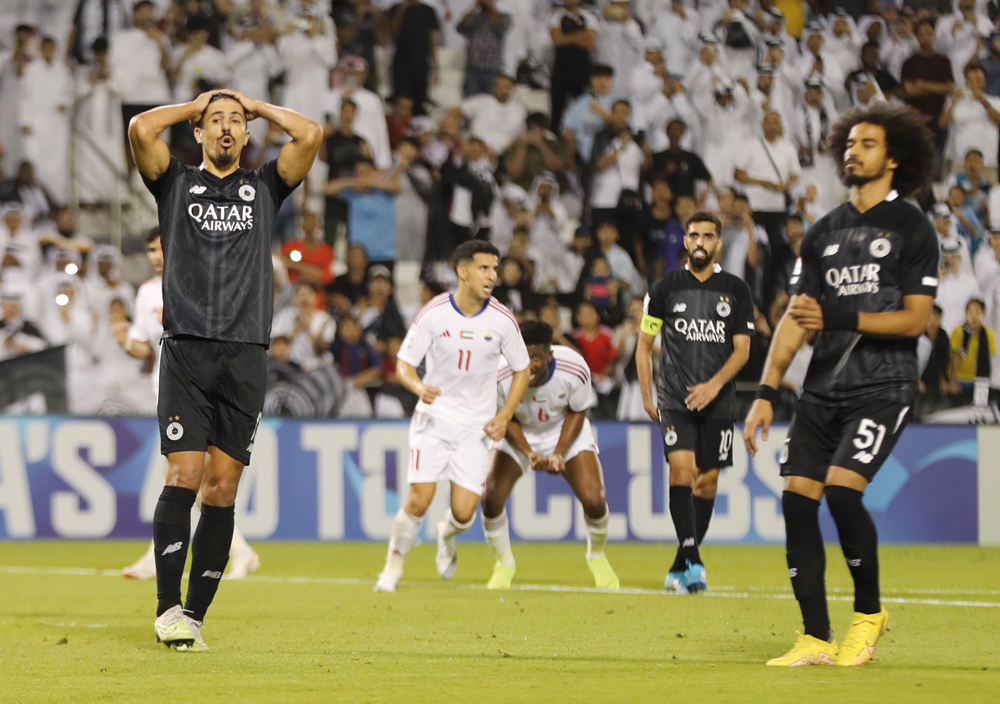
pixel 215 222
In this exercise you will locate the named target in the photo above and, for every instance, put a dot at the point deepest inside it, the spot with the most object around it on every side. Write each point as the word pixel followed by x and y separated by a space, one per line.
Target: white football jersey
pixel 147 326
pixel 567 388
pixel 463 357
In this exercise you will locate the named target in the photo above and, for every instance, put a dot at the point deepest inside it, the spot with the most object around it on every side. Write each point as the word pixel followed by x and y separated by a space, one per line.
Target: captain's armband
pixel 650 325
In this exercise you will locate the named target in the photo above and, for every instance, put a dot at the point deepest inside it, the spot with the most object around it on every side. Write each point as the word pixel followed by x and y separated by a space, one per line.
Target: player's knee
pixel 418 500
pixel 492 506
pixel 844 501
pixel 186 475
pixel 706 485
pixel 594 505
pixel 463 515
pixel 220 491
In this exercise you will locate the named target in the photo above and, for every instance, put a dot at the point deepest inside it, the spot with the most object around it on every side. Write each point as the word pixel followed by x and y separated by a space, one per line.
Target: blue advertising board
pixel 92 478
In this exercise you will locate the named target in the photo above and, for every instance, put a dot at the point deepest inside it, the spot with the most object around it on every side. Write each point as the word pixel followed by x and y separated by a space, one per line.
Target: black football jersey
pixel 216 234
pixel 866 262
pixel 696 337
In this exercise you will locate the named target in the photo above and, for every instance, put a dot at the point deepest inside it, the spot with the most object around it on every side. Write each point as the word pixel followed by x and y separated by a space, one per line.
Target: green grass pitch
pixel 307 628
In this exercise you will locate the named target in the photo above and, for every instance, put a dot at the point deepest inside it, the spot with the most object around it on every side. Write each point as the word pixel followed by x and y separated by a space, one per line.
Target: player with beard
pixel 865 282
pixel 705 318
pixel 216 222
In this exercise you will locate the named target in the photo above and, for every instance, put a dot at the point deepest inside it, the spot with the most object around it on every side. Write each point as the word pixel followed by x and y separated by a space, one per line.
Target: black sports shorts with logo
pixel 711 439
pixel 211 393
pixel 858 437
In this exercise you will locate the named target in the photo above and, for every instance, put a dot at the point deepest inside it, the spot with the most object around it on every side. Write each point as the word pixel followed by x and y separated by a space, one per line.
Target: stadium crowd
pixel 576 137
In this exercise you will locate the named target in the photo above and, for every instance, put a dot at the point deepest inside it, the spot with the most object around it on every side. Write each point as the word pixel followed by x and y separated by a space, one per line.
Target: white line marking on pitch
pixel 724 592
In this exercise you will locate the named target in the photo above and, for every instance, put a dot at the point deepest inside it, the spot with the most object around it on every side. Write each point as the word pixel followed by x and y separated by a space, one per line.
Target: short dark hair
pixel 704 216
pixel 679 121
pixel 364 160
pixel 536 332
pixel 29 28
pixel 907 140
pixel 973 151
pixel 976 301
pixel 621 101
pixel 925 21
pixel 870 45
pixel 305 284
pixel 467 251
pixel 937 309
pixel 347 101
pixel 153 234
pixel 141 3
pixel 537 119
pixel 214 98
pixel 601 70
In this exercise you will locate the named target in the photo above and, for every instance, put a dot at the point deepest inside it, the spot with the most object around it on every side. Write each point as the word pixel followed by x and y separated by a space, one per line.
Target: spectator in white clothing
pixel 44 116
pixel 496 119
pixel 197 62
pixel 769 168
pixel 308 53
pixel 310 330
pixel 617 162
pixel 960 34
pixel 974 118
pixel 619 43
pixel 369 122
pixel 955 287
pixel 140 64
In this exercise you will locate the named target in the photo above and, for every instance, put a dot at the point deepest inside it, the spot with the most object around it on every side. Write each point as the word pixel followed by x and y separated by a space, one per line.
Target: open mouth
pixel 226 142
pixel 488 288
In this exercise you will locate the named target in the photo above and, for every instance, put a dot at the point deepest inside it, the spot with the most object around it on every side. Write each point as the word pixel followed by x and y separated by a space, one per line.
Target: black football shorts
pixel 211 393
pixel 859 438
pixel 711 439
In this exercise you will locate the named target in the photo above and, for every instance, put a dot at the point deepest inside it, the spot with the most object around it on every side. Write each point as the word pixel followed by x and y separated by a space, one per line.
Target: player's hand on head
pixel 250 106
pixel 429 393
pixel 760 416
pixel 806 311
pixel 200 104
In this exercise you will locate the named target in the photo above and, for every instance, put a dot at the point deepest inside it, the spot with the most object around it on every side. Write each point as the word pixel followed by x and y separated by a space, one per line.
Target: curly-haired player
pixel 866 281
pixel 549 433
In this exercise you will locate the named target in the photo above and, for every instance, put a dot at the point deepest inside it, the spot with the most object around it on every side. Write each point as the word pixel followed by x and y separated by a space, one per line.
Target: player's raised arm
pixel 788 338
pixel 295 158
pixel 150 152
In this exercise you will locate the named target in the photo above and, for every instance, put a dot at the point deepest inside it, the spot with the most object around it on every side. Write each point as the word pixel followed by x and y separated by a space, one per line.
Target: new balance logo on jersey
pixel 197 190
pixel 222 218
pixel 831 250
pixel 680 307
pixel 211 575
pixel 864 457
pixel 854 280
pixel 701 330
pixel 172 548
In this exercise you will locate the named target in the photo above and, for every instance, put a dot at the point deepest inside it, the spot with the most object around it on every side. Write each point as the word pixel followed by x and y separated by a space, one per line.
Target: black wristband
pixel 835 318
pixel 766 393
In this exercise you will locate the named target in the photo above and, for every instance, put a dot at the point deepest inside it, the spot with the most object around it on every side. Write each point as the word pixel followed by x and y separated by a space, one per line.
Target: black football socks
pixel 171 535
pixel 806 562
pixel 683 514
pixel 859 541
pixel 209 557
pixel 703 509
